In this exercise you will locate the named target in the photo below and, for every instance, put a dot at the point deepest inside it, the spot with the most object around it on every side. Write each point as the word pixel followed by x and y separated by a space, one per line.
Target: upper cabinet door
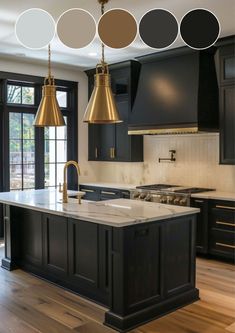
pixel 227 102
pixel 227 64
pixel 227 125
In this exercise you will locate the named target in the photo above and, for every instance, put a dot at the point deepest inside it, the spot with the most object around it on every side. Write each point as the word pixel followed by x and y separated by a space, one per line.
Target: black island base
pixel 139 272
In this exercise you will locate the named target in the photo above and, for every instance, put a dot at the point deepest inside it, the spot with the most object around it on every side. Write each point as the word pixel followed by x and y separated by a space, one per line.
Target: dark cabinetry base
pixel 8 264
pixel 124 324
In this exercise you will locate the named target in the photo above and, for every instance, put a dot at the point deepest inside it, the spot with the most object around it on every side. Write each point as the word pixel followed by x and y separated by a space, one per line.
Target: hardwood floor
pixel 30 305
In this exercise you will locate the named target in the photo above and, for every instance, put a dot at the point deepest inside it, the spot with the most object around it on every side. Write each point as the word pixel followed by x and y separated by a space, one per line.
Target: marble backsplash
pixel 197 164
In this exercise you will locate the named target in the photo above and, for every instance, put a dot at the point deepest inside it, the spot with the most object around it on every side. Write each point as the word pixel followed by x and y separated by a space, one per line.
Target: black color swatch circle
pixel 199 28
pixel 158 28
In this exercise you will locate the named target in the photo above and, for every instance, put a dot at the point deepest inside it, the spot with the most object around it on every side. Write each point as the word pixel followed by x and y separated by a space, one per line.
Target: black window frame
pixel 71 112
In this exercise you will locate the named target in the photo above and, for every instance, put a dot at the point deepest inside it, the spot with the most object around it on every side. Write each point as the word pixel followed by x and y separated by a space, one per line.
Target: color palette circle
pixel 76 28
pixel 35 28
pixel 199 28
pixel 117 28
pixel 158 28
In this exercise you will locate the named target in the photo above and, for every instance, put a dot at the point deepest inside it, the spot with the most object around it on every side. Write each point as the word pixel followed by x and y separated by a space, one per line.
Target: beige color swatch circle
pixel 35 28
pixel 117 28
pixel 76 28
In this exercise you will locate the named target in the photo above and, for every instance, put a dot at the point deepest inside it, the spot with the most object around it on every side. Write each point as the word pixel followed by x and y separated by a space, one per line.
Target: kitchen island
pixel 136 258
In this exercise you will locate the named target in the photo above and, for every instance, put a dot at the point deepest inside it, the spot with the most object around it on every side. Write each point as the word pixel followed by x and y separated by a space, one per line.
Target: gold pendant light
pixel 102 108
pixel 49 113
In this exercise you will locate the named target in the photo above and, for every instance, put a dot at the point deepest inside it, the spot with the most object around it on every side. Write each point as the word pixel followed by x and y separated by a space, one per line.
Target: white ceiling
pixel 89 56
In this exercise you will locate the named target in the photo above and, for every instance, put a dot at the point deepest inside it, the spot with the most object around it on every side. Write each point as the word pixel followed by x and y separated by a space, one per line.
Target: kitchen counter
pixel 117 213
pixel 101 250
pixel 120 186
pixel 216 195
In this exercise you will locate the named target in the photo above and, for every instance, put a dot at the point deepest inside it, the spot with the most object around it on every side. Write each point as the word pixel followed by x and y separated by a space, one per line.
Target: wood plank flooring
pixel 31 305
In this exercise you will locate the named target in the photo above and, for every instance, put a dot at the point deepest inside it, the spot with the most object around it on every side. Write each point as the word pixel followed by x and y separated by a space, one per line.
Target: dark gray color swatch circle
pixel 158 28
pixel 199 28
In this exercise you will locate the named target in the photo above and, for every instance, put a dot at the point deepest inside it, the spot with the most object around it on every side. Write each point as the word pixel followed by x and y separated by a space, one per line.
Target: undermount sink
pixel 72 197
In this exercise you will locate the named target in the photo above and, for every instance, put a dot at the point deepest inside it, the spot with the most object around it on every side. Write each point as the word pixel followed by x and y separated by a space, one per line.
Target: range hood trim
pixel 159 131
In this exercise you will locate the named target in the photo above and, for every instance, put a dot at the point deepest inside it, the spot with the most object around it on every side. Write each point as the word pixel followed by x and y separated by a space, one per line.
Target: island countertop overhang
pixel 115 213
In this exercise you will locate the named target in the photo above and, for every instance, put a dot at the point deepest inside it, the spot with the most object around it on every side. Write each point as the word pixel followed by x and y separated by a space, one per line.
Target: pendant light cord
pixel 49 63
pixel 102 44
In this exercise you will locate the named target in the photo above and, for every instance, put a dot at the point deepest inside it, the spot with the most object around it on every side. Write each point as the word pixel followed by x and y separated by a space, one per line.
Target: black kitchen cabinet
pixel 222 229
pixel 226 70
pixel 111 142
pixel 73 253
pixel 202 224
pixel 103 193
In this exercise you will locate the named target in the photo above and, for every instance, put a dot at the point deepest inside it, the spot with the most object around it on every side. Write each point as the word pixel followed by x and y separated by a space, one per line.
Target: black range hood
pixel 177 93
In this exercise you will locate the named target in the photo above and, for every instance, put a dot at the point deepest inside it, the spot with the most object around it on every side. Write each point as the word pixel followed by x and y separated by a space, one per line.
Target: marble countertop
pixel 217 195
pixel 116 213
pixel 121 186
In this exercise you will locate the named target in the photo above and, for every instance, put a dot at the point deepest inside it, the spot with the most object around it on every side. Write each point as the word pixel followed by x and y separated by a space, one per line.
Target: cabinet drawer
pixel 223 219
pixel 222 243
pixel 92 193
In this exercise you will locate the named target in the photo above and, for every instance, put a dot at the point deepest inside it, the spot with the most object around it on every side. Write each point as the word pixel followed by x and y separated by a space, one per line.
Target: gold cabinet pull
pixel 96 152
pixel 199 201
pixel 225 207
pixel 86 190
pixel 109 193
pixel 226 223
pixel 112 152
pixel 226 245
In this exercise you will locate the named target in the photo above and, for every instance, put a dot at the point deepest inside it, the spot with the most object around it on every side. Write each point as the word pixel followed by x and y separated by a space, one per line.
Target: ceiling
pixel 89 56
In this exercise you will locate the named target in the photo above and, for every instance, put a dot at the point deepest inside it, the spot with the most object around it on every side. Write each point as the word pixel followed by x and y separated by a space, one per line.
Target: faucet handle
pixel 60 188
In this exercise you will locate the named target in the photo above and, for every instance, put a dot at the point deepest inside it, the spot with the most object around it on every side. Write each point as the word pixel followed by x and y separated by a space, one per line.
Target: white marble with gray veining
pixel 117 186
pixel 117 213
pixel 216 195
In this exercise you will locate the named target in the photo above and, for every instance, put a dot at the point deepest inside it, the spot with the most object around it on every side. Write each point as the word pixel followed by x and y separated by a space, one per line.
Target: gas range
pixel 166 193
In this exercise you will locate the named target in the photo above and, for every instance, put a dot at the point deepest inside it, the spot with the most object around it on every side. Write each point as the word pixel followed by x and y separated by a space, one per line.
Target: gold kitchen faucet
pixel 65 186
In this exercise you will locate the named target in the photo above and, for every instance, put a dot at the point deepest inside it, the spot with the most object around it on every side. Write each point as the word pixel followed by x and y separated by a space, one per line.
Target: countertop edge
pixel 88 219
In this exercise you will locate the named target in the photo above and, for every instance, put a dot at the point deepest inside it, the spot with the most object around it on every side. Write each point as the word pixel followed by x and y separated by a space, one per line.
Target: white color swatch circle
pixel 35 28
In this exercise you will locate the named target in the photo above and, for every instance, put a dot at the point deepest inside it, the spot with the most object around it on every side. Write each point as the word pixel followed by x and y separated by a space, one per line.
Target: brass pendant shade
pixel 102 108
pixel 49 113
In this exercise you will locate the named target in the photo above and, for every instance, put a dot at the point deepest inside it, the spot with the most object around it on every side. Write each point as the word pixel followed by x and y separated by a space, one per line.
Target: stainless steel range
pixel 165 193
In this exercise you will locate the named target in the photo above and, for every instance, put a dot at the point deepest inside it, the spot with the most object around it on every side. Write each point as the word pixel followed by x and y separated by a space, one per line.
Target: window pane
pixel 28 95
pixel 13 94
pixel 15 125
pixel 61 151
pixel 15 152
pixel 28 151
pixel 28 128
pixel 50 151
pixel 60 173
pixel 62 98
pixel 61 131
pixel 29 175
pixel 15 177
pixel 49 133
pixel 49 175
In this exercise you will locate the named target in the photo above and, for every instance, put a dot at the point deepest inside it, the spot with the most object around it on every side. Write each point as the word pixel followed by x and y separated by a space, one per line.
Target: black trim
pixel 71 112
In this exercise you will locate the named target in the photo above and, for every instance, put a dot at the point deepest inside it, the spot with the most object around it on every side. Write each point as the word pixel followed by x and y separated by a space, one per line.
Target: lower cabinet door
pixel 55 245
pixel 89 258
pixel 202 224
pixel 31 235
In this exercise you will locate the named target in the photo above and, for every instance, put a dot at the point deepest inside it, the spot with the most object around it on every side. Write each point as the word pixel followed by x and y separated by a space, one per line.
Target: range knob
pixel 143 195
pixel 177 201
pixel 183 202
pixel 170 199
pixel 148 197
pixel 136 195
pixel 163 199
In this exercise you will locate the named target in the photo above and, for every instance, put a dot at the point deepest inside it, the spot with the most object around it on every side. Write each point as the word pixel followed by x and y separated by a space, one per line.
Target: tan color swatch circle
pixel 76 28
pixel 117 28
